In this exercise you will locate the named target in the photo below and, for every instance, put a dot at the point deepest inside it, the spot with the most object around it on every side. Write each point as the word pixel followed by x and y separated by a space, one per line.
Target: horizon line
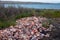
pixel 30 1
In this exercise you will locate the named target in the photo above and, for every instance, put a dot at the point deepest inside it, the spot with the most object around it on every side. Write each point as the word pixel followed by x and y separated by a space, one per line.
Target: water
pixel 35 6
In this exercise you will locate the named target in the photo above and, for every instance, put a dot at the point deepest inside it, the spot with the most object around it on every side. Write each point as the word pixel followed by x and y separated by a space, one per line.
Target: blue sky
pixel 46 1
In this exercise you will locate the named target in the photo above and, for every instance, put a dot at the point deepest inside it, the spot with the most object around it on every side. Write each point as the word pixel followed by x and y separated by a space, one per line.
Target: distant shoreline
pixel 13 2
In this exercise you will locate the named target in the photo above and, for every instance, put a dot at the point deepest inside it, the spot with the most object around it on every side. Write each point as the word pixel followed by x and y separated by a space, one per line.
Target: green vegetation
pixel 50 13
pixel 9 15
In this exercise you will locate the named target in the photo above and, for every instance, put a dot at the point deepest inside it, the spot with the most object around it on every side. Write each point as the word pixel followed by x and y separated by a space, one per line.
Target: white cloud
pixel 48 1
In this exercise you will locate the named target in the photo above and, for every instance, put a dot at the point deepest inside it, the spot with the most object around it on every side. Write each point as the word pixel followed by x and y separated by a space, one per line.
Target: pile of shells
pixel 29 28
